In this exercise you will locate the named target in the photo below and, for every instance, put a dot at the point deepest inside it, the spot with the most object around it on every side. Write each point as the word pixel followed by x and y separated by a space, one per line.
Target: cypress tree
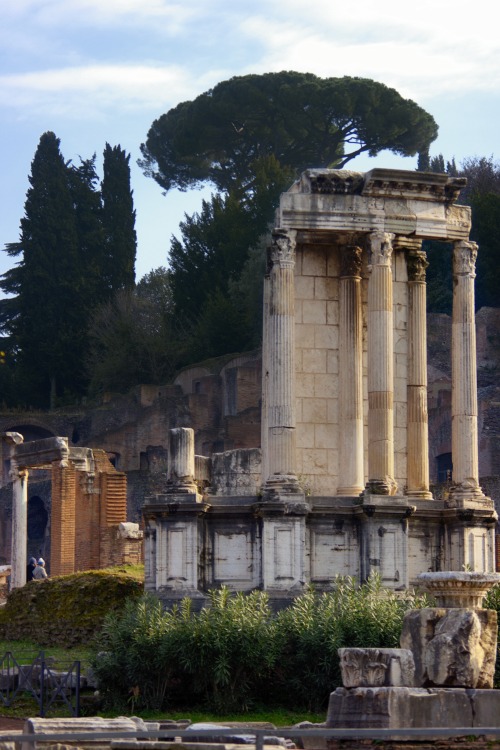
pixel 118 220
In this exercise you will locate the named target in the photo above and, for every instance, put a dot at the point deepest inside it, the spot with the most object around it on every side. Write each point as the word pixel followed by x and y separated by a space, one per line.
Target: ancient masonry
pixel 343 468
pixel 88 526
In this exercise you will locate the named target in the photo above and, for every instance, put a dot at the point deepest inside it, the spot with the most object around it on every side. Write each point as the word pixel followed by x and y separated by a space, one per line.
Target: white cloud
pixel 87 90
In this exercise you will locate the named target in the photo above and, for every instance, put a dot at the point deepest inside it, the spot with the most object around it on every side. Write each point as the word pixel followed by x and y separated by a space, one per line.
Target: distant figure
pixel 40 571
pixel 30 568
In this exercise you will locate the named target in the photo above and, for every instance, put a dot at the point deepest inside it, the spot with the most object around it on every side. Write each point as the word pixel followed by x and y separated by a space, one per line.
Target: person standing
pixel 30 569
pixel 39 573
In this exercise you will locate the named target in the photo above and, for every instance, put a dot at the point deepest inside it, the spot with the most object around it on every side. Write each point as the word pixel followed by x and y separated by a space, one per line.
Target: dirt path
pixel 6 725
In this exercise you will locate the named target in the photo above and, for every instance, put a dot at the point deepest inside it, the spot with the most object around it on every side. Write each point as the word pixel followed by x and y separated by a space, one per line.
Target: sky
pixel 97 71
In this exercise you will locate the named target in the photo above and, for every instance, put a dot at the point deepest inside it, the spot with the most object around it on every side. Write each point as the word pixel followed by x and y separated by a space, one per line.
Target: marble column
pixel 351 479
pixel 181 461
pixel 380 368
pixel 464 432
pixel 417 420
pixel 281 366
pixel 264 427
pixel 19 525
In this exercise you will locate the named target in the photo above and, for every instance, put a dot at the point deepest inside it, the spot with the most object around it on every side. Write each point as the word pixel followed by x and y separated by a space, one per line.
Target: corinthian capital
pixel 464 259
pixel 282 250
pixel 350 264
pixel 381 248
pixel 416 264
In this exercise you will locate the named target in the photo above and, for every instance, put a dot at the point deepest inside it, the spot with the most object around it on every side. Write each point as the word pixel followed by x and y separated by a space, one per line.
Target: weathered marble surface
pixel 396 708
pixel 377 667
pixel 452 647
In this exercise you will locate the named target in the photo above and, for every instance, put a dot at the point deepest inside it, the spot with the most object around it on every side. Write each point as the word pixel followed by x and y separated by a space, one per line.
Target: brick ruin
pixel 88 526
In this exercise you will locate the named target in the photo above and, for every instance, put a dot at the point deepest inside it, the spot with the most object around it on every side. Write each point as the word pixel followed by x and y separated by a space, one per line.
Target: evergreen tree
pixel 48 324
pixel 118 220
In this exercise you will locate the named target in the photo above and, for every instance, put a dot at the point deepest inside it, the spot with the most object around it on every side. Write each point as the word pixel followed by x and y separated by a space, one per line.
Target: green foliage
pixel 66 610
pixel 231 649
pixel 298 118
pixel 134 338
pixel 492 601
pixel 118 218
pixel 315 626
pixel 76 246
pixel 236 653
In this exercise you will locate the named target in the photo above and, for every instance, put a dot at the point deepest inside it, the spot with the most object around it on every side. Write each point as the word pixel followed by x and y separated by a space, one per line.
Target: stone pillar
pixel 351 479
pixel 380 368
pixel 181 462
pixel 417 425
pixel 464 434
pixel 265 382
pixel 19 525
pixel 281 366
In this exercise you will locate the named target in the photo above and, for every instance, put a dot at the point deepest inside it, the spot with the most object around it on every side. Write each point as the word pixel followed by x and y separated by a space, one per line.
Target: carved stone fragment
pixel 452 647
pixel 377 667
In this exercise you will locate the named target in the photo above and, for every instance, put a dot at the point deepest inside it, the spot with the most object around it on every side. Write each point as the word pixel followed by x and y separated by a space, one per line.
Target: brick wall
pixel 62 557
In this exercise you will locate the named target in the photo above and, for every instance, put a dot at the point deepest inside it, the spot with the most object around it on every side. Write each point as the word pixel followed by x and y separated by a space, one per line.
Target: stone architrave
pixel 19 524
pixel 280 357
pixel 452 647
pixel 351 480
pixel 380 368
pixel 377 667
pixel 417 426
pixel 463 376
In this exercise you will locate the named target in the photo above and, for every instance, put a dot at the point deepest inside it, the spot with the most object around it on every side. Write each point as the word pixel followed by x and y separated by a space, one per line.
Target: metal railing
pixel 171 734
pixel 48 682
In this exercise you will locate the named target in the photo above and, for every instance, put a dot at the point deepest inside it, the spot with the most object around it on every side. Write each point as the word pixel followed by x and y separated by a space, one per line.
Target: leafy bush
pixel 492 601
pixel 315 626
pixel 235 652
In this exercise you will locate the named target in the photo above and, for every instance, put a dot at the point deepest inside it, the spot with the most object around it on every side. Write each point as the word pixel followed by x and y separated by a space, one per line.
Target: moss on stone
pixel 65 610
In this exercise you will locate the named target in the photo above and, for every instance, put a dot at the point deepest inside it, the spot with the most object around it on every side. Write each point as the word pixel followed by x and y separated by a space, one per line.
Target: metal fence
pixel 49 682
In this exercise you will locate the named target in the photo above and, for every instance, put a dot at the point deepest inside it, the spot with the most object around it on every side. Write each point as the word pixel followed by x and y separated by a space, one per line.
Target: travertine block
pixel 314 262
pixel 326 337
pixel 377 667
pixel 304 288
pixel 325 386
pixel 314 312
pixel 326 288
pixel 332 312
pixel 314 360
pixel 314 410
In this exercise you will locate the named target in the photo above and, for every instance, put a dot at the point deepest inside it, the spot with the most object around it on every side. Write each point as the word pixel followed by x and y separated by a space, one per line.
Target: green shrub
pixel 235 652
pixel 315 626
pixel 492 601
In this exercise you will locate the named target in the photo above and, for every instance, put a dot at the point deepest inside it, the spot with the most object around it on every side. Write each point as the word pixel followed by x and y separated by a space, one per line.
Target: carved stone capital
pixel 282 250
pixel 464 259
pixel 350 264
pixel 416 264
pixel 381 248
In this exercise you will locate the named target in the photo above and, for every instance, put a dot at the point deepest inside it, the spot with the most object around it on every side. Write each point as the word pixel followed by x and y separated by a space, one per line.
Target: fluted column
pixel 417 421
pixel 264 427
pixel 181 461
pixel 281 364
pixel 351 479
pixel 380 368
pixel 464 435
pixel 19 525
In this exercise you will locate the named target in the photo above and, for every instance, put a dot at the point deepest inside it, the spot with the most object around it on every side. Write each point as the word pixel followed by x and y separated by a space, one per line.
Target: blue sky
pixel 97 71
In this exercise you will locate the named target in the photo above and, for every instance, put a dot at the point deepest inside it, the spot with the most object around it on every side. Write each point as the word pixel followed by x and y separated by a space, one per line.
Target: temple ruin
pixel 340 485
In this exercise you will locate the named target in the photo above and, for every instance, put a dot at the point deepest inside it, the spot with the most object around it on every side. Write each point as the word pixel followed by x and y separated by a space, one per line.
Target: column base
pixel 386 486
pixel 468 494
pixel 282 485
pixel 420 495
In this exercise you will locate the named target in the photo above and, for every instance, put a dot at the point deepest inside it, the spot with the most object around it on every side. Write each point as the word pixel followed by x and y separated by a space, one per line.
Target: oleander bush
pixel 237 652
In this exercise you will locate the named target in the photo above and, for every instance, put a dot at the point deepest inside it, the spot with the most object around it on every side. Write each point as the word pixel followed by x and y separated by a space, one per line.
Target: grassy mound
pixel 66 610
